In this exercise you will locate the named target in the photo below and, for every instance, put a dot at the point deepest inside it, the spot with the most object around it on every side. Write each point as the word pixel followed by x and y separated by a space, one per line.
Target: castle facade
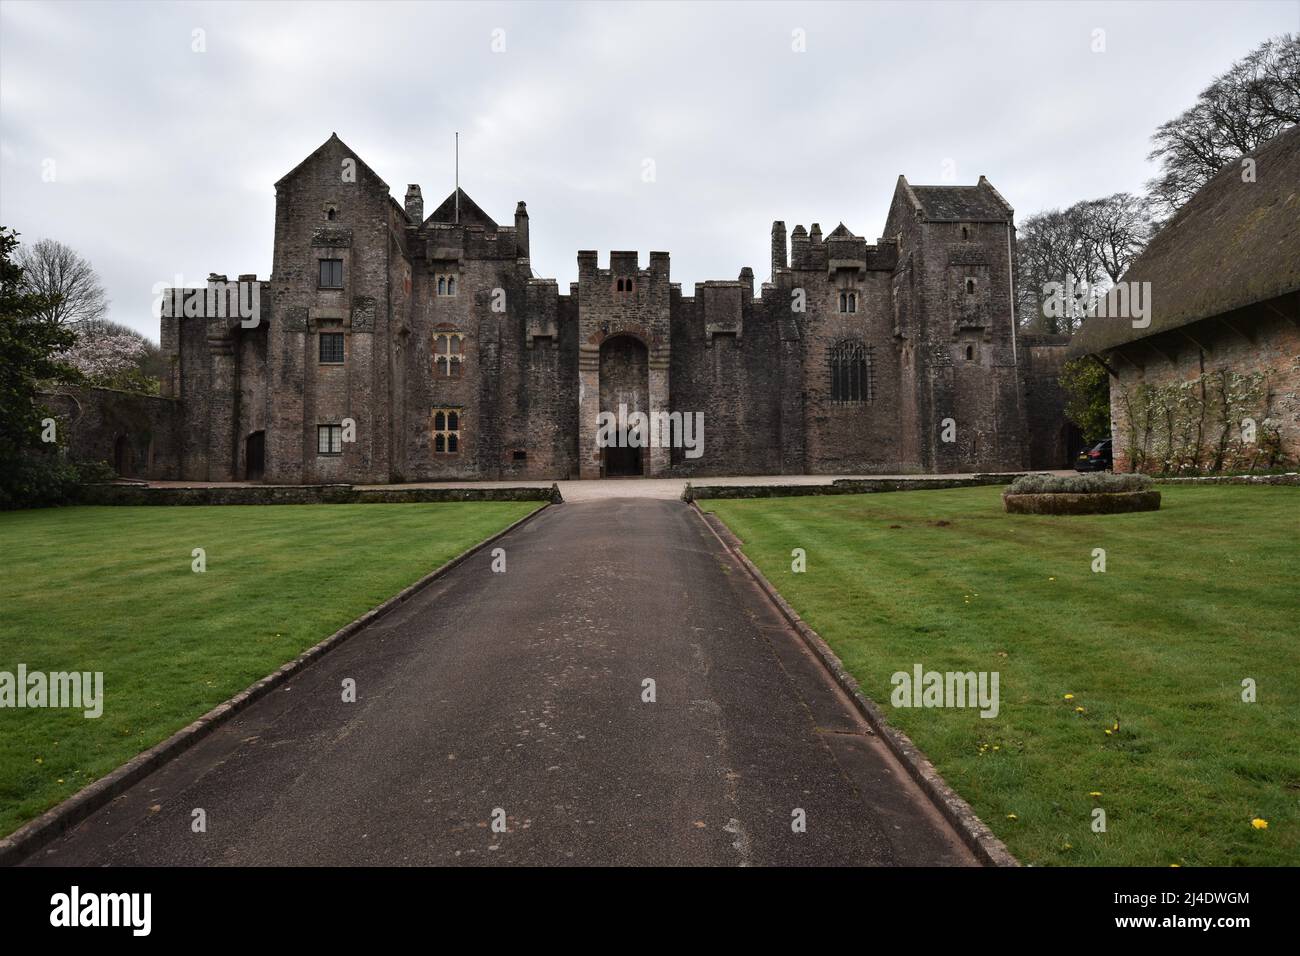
pixel 392 346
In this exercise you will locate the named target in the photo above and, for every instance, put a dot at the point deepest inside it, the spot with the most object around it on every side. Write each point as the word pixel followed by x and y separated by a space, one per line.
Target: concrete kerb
pixel 976 834
pixel 31 836
pixel 845 486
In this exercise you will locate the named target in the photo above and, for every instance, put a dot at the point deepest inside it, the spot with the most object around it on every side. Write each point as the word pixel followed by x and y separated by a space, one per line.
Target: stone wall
pixel 111 494
pixel 1258 339
pixel 931 309
pixel 1053 440
pixel 139 436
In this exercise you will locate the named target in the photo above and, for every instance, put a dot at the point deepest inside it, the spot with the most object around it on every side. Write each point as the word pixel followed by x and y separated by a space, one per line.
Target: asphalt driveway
pixel 517 698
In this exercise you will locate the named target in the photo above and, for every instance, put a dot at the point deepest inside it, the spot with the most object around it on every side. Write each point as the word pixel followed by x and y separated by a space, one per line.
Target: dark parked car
pixel 1096 458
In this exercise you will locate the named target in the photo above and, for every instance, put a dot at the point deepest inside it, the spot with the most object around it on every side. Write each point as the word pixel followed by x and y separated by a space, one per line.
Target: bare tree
pixel 1114 231
pixel 1081 249
pixel 52 269
pixel 1053 253
pixel 1257 98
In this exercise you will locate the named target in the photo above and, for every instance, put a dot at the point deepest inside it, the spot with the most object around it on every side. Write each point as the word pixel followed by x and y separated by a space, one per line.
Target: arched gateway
pixel 624 389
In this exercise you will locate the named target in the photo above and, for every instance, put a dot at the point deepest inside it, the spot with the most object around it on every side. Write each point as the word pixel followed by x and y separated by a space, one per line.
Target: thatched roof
pixel 1231 245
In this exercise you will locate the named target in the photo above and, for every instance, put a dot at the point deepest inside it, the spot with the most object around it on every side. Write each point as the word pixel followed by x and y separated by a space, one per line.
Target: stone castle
pixel 395 346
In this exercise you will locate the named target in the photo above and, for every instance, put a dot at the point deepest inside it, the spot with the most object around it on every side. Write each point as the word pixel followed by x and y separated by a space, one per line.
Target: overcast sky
pixel 164 158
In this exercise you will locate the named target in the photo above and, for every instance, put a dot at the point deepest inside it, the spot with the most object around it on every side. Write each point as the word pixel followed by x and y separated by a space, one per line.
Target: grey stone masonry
pixel 457 362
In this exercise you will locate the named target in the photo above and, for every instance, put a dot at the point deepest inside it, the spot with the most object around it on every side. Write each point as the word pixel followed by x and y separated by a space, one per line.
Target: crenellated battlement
pixel 379 314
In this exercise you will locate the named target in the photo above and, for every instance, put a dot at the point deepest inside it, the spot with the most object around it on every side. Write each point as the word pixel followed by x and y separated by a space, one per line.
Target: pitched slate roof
pixel 978 203
pixel 1231 245
pixel 334 138
pixel 471 214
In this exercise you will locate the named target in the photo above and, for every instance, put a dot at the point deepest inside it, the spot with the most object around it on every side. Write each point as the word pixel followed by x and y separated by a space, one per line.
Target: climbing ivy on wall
pixel 1215 422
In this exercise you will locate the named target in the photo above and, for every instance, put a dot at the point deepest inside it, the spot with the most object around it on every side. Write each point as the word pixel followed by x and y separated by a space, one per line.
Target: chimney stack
pixel 414 204
pixel 521 229
pixel 778 247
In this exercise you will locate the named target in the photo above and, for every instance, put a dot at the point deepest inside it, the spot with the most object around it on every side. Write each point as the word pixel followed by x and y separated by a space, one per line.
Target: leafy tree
pixel 30 349
pixel 1087 397
pixel 1257 98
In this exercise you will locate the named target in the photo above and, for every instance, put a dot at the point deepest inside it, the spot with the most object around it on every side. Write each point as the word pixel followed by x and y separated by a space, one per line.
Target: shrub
pixel 1093 483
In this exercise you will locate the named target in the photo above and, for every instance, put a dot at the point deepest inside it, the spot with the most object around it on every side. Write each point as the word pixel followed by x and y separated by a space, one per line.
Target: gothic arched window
pixel 448 354
pixel 851 372
pixel 446 431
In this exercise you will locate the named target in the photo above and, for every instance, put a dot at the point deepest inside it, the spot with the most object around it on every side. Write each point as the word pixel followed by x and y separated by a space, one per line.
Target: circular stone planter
pixel 1096 503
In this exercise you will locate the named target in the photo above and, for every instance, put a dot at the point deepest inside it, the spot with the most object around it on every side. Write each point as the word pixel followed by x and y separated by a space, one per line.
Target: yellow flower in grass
pixel 1012 816
pixel 1095 793
pixel 1069 697
pixel 1079 710
pixel 1108 733
pixel 1259 824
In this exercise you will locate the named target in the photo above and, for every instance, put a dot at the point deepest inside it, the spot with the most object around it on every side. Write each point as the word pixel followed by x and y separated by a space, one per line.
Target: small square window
pixel 329 439
pixel 331 273
pixel 331 348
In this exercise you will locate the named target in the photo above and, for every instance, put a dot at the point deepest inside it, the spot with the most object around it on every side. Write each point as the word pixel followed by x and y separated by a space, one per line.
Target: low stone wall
pixel 123 494
pixel 1290 478
pixel 1097 503
pixel 843 486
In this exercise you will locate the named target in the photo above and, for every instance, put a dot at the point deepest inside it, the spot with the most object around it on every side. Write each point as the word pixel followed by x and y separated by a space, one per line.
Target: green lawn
pixel 112 590
pixel 1195 598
